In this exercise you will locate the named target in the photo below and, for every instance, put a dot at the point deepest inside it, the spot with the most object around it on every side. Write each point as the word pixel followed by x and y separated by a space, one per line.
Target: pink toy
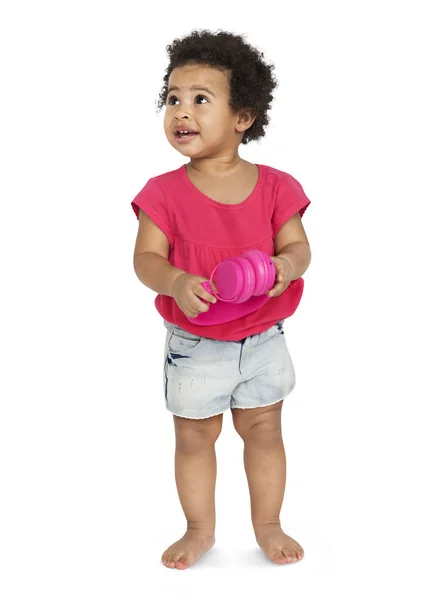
pixel 242 283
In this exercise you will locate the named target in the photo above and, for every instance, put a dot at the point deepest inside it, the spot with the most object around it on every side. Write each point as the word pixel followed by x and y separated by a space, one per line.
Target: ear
pixel 244 120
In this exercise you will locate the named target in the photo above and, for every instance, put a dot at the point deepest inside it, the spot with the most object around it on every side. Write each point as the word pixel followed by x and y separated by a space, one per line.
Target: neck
pixel 219 166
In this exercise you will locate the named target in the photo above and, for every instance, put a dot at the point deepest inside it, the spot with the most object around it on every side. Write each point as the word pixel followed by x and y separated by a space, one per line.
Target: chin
pixel 190 153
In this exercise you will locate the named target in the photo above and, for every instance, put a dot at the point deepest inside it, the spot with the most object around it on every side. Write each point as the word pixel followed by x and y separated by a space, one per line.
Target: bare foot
pixel 186 551
pixel 278 546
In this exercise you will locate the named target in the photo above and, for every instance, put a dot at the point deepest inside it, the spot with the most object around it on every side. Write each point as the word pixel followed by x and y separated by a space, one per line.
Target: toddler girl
pixel 216 94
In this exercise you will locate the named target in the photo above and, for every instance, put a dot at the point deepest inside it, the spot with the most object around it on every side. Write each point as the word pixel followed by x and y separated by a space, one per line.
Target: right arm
pixel 151 253
pixel 153 268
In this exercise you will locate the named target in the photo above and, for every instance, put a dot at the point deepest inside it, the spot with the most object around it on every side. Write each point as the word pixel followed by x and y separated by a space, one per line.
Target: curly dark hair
pixel 251 81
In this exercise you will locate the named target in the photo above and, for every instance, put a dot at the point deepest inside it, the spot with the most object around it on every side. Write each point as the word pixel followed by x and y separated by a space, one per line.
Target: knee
pixel 262 431
pixel 194 436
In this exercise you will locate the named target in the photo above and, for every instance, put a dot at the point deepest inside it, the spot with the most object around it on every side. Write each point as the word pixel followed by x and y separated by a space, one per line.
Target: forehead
pixel 195 76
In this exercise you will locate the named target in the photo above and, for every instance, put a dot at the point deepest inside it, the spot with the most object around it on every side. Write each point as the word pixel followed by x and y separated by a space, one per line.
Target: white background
pixel 88 499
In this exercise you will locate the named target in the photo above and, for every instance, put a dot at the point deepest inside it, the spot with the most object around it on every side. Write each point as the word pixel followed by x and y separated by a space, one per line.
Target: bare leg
pixel 265 465
pixel 195 471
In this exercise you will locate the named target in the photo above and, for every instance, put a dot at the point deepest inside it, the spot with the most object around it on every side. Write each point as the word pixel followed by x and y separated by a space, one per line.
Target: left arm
pixel 292 254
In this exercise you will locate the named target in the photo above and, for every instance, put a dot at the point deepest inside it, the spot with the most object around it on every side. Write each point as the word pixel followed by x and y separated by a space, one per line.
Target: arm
pixel 151 253
pixel 292 243
pixel 292 254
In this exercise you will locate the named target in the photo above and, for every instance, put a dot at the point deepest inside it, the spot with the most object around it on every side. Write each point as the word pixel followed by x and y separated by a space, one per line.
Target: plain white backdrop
pixel 88 497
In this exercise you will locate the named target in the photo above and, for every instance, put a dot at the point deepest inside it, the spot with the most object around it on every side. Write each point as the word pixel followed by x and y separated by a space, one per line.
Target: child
pixel 217 91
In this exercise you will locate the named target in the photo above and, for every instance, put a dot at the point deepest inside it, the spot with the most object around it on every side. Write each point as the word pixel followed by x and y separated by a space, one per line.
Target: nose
pixel 182 113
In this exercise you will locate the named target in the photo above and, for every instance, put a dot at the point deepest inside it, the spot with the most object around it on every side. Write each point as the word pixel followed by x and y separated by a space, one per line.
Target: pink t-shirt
pixel 203 232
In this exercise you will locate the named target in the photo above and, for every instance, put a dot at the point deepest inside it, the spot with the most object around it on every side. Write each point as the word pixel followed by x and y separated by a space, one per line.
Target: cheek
pixel 166 121
pixel 215 128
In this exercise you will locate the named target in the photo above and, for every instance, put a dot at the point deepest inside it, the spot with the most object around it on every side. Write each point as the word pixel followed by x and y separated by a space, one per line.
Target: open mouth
pixel 185 134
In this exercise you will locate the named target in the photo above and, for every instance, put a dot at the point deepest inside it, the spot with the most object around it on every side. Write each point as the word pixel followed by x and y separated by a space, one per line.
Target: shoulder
pixel 158 195
pixel 277 178
pixel 168 178
pixel 287 193
pixel 164 181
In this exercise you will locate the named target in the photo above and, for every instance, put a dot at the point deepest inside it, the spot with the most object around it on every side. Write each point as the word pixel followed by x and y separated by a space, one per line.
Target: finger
pixel 196 305
pixel 276 290
pixel 191 313
pixel 277 284
pixel 201 292
pixel 199 305
pixel 206 296
pixel 279 271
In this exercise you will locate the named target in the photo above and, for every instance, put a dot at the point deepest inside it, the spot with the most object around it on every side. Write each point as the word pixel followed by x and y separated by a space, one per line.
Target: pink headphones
pixel 243 281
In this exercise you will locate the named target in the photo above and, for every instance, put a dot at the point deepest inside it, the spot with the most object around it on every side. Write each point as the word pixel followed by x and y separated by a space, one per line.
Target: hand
pixel 189 294
pixel 283 275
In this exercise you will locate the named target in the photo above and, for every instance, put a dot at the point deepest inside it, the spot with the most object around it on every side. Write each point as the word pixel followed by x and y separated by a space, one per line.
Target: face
pixel 198 100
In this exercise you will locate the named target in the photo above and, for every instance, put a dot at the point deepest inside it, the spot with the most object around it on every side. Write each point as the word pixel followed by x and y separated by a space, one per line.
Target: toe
pixel 288 553
pixel 182 564
pixel 182 559
pixel 178 555
pixel 167 560
pixel 298 551
pixel 279 558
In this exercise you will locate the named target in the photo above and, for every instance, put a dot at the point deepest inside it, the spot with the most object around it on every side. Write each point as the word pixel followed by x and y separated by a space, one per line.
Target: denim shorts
pixel 203 377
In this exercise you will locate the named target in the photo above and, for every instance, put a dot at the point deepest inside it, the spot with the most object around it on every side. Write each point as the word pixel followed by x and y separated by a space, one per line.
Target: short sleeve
pixel 152 201
pixel 290 199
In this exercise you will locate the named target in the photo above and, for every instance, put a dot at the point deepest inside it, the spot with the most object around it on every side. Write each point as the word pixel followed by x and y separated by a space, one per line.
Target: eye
pixel 170 98
pixel 201 97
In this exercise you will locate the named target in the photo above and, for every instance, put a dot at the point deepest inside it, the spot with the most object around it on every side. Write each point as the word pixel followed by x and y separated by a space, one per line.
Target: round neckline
pixel 222 205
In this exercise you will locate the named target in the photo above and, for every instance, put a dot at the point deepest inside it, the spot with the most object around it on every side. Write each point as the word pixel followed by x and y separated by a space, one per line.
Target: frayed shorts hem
pixel 196 418
pixel 221 412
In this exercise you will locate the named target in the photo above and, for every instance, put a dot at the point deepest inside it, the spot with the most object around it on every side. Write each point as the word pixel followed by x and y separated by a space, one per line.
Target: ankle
pixel 261 526
pixel 205 528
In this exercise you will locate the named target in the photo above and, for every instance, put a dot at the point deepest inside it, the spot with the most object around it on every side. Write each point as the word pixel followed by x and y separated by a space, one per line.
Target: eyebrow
pixel 193 87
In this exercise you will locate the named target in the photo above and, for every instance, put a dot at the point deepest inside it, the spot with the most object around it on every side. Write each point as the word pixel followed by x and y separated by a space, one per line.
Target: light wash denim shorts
pixel 204 377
